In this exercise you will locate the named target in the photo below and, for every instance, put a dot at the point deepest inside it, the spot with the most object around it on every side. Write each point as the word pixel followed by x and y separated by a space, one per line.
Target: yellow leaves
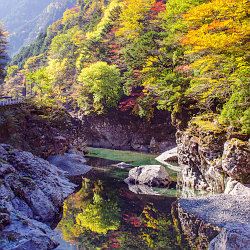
pixel 106 20
pixel 133 17
pixel 33 62
pixel 69 16
pixel 78 38
pixel 218 9
pixel 218 25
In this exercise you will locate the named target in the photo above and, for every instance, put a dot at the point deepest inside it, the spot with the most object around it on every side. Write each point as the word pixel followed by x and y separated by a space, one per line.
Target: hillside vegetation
pixel 189 57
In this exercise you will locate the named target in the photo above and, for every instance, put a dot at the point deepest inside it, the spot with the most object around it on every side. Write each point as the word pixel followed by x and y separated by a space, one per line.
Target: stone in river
pixel 124 165
pixel 151 175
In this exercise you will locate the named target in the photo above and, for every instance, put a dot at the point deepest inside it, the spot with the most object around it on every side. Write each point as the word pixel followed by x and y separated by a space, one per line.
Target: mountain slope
pixel 25 19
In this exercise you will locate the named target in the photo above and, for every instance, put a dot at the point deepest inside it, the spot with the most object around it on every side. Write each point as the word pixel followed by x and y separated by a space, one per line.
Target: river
pixel 104 213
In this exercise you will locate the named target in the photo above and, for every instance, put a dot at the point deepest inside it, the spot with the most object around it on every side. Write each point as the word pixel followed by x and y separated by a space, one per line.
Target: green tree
pixel 99 88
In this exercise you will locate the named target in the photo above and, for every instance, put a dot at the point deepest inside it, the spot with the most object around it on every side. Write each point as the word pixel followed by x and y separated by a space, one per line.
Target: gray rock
pixel 219 209
pixel 118 130
pixel 151 175
pixel 211 159
pixel 154 146
pixel 190 178
pixel 200 160
pixel 198 232
pixel 236 158
pixel 32 192
pixel 233 236
pixel 170 155
pixel 72 163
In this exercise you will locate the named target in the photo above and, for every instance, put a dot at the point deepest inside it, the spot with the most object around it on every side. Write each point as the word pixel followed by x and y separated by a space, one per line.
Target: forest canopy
pixel 139 56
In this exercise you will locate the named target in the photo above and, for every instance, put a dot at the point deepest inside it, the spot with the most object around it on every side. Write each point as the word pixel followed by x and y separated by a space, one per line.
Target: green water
pixel 134 158
pixel 106 213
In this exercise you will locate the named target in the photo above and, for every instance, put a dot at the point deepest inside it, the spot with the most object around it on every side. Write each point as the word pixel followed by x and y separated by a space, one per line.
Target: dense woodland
pixel 141 55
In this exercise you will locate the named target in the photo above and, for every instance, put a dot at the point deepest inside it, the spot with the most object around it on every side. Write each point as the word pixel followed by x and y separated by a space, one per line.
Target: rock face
pixel 234 236
pixel 198 232
pixel 208 159
pixel 235 160
pixel 32 192
pixel 119 130
pixel 43 131
pixel 151 175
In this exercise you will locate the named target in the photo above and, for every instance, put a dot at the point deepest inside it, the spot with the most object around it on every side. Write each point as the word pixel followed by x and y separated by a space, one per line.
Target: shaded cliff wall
pixel 119 130
pixel 41 130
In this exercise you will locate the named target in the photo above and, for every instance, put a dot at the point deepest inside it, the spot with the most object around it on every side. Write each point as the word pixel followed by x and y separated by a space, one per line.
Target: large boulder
pixel 170 155
pixel 32 192
pixel 72 163
pixel 234 187
pixel 151 175
pixel 234 236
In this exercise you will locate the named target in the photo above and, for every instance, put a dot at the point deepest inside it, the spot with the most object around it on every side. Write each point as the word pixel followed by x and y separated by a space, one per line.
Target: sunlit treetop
pixel 217 25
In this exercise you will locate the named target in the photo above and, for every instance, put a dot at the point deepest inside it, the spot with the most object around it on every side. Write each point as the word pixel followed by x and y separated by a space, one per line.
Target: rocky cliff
pixel 41 130
pixel 210 156
pixel 32 192
pixel 120 130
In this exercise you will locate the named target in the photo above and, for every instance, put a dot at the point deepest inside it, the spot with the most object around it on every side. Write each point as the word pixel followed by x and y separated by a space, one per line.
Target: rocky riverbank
pixel 32 192
pixel 202 218
pixel 41 130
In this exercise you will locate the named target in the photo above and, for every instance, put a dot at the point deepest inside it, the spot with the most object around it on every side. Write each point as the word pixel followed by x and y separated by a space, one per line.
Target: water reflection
pixel 106 215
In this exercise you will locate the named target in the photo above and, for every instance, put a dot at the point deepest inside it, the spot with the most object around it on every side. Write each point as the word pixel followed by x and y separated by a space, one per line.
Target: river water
pixel 105 214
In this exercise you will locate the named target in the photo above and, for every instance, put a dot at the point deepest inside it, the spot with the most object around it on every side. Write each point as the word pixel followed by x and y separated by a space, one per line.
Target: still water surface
pixel 105 214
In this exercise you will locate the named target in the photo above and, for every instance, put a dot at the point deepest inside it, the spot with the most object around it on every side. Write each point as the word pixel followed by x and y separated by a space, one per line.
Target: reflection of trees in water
pixel 102 217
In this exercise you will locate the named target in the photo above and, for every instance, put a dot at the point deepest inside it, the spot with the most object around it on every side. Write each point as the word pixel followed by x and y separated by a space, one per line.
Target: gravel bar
pixel 219 209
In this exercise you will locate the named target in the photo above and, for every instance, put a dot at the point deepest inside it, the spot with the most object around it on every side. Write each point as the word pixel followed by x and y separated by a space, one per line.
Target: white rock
pixel 170 155
pixel 234 187
pixel 123 165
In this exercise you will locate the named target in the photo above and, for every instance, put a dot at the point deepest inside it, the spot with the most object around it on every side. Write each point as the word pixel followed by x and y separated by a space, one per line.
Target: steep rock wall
pixel 43 131
pixel 119 130
pixel 209 158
